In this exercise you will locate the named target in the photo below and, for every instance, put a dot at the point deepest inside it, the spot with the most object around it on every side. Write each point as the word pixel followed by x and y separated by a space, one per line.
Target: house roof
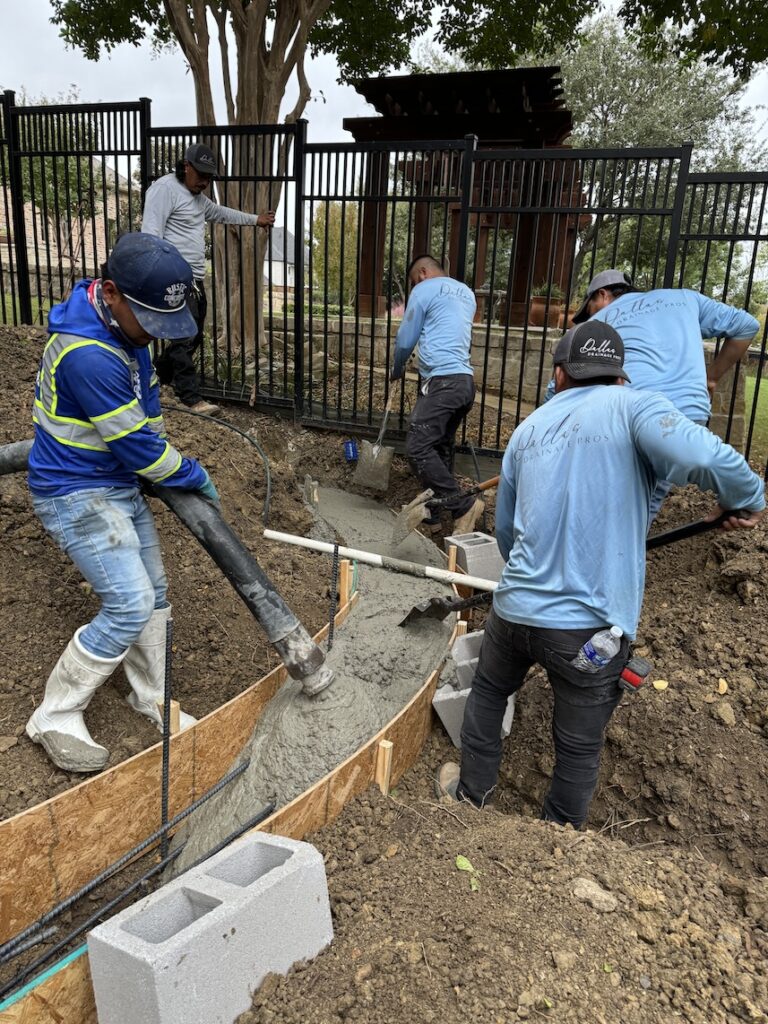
pixel 282 246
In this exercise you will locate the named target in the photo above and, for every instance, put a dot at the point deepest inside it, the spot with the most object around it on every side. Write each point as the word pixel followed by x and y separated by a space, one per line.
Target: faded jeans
pixel 110 535
pixel 583 705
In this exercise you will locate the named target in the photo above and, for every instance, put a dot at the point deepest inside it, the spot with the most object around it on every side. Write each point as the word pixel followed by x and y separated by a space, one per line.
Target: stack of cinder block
pixel 449 701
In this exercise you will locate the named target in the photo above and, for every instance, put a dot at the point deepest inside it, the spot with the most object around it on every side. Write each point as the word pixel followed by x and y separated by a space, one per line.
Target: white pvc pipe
pixel 385 562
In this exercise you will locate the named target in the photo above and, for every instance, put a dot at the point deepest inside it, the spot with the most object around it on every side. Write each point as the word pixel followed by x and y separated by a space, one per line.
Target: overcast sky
pixel 33 56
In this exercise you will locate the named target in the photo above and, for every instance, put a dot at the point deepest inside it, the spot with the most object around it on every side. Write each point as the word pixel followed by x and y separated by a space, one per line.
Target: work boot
pixel 205 408
pixel 58 723
pixel 144 668
pixel 447 780
pixel 466 523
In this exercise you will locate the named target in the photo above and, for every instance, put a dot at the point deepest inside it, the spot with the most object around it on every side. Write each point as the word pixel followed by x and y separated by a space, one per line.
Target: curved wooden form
pixel 51 859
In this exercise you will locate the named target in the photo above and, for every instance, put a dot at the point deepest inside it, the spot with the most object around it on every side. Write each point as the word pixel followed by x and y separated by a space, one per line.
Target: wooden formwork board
pixel 54 848
pixel 67 996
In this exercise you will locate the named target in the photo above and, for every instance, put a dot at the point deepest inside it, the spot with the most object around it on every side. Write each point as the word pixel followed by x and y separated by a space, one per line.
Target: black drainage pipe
pixel 303 659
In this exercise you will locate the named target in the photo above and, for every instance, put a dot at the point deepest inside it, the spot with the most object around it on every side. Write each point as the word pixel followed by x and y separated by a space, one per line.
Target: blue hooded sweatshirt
pixel 97 409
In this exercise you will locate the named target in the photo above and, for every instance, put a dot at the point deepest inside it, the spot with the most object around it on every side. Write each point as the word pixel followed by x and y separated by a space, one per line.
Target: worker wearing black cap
pixel 177 210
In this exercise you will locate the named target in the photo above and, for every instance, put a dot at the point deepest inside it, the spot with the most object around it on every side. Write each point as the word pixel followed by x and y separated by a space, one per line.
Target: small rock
pixel 730 936
pixel 724 713
pixel 391 851
pixel 645 982
pixel 564 960
pixel 674 822
pixel 589 891
pixel 6 742
pixel 363 973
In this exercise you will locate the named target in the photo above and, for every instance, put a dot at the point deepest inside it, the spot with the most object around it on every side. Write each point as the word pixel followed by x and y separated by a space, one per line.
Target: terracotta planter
pixel 539 314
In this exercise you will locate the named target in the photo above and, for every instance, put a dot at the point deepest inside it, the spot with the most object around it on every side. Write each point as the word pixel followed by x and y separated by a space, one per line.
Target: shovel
pixel 416 511
pixel 440 607
pixel 375 462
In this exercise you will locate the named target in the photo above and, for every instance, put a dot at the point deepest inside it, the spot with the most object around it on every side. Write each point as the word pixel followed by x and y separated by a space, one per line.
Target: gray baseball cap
pixel 202 158
pixel 605 279
pixel 590 350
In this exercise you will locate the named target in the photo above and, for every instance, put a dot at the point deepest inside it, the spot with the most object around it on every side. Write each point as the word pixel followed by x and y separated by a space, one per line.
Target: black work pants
pixel 175 364
pixel 583 706
pixel 429 446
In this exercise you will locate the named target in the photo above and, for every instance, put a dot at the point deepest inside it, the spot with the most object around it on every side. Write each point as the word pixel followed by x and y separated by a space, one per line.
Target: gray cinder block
pixel 196 950
pixel 477 554
pixel 449 701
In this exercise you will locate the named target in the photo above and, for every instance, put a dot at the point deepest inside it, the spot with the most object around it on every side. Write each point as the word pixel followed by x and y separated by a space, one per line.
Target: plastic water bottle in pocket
pixel 598 650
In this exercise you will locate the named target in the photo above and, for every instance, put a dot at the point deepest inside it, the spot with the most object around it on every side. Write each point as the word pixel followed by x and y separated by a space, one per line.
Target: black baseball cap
pixel 202 158
pixel 605 279
pixel 593 349
pixel 155 279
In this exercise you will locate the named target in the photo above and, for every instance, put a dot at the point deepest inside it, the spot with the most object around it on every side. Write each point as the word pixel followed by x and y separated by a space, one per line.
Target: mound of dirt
pixel 548 924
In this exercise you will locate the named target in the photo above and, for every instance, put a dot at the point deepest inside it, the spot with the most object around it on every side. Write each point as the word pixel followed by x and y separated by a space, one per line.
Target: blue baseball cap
pixel 155 279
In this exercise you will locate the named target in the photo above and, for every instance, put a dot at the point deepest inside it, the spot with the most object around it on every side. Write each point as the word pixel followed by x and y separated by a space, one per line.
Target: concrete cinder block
pixel 449 702
pixel 195 951
pixel 477 554
pixel 465 652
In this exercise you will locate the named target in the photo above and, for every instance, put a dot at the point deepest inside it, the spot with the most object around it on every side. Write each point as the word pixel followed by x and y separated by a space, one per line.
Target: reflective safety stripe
pixel 58 346
pixel 163 467
pixel 120 422
pixel 69 432
pixel 92 434
pixel 157 423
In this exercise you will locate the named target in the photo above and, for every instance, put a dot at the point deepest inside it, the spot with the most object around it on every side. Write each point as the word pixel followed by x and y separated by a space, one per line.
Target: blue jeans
pixel 110 535
pixel 583 705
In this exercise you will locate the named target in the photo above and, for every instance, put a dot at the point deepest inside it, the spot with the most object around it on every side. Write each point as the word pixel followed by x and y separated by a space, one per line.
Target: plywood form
pixel 67 996
pixel 51 850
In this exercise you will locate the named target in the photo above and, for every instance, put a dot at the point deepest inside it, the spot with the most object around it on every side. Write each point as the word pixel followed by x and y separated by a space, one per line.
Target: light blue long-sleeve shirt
pixel 662 331
pixel 572 503
pixel 439 318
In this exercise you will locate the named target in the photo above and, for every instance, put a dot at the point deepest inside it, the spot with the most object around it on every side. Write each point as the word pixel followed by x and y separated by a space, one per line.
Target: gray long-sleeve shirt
pixel 172 212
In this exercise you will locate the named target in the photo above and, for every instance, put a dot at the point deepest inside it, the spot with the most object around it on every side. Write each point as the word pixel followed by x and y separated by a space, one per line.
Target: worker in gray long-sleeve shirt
pixel 176 210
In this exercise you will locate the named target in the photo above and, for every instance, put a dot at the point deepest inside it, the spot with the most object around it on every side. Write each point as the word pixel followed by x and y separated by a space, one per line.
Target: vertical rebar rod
pixel 164 785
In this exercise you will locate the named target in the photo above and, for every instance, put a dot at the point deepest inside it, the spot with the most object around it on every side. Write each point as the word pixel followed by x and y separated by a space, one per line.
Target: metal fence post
pixel 145 159
pixel 467 182
pixel 16 182
pixel 677 214
pixel 299 157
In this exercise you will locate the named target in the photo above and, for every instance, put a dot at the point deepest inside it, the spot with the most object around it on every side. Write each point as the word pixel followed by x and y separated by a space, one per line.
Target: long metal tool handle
pixel 486 485
pixel 385 562
pixel 385 418
pixel 660 540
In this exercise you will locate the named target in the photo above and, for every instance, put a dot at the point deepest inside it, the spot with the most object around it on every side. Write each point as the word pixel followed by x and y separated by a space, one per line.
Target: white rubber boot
pixel 58 723
pixel 144 668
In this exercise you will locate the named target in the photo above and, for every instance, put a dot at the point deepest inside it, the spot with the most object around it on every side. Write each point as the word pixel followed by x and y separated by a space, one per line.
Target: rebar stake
pixel 334 594
pixel 165 778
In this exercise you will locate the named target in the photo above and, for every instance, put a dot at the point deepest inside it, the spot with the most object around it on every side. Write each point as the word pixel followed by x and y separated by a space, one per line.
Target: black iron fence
pixel 305 318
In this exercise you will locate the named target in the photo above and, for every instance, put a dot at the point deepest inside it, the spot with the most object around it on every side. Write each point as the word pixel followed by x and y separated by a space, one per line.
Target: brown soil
pixel 677 823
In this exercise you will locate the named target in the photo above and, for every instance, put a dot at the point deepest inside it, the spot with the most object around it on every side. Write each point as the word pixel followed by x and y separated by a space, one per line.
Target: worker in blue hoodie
pixel 571 518
pixel 99 433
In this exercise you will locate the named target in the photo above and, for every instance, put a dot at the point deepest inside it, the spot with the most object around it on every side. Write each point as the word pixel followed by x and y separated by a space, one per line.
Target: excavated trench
pixel 377 666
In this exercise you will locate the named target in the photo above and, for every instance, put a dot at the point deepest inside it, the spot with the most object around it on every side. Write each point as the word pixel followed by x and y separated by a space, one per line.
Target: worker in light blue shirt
pixel 439 319
pixel 571 517
pixel 662 331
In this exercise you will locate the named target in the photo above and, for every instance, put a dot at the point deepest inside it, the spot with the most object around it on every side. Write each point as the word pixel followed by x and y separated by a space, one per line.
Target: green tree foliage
pixel 335 253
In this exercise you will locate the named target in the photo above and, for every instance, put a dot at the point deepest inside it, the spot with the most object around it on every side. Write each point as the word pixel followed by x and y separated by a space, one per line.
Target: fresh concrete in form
pixel 195 951
pixel 378 667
